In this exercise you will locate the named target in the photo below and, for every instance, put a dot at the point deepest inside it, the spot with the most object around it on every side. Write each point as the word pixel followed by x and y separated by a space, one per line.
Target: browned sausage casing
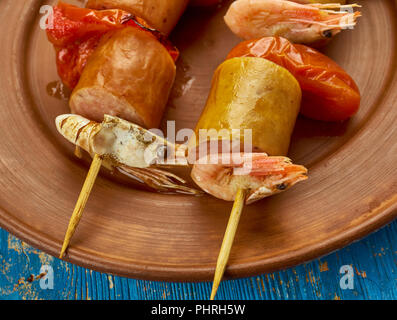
pixel 129 75
pixel 162 15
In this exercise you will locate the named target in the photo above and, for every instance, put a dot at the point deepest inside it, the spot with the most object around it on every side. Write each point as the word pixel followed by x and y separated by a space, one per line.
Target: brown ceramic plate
pixel 352 188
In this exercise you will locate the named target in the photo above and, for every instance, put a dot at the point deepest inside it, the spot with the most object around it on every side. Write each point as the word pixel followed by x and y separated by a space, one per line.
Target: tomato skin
pixel 204 3
pixel 77 31
pixel 328 92
pixel 71 59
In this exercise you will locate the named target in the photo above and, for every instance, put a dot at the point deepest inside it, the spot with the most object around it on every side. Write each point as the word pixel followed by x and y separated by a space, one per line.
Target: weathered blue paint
pixel 373 259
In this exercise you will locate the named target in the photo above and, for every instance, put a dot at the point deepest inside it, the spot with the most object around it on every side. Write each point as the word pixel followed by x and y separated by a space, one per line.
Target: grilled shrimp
pixel 258 173
pixel 300 23
pixel 129 148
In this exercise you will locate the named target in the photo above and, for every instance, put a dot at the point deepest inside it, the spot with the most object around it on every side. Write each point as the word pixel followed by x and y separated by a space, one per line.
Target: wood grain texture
pixel 374 261
pixel 352 188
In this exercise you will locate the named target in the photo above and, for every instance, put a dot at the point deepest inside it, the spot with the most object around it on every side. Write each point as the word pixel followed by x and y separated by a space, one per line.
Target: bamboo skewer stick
pixel 81 202
pixel 228 240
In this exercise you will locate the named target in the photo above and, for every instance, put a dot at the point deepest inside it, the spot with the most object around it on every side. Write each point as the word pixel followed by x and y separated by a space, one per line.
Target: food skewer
pixel 81 202
pixel 327 107
pixel 138 157
pixel 261 101
pixel 123 88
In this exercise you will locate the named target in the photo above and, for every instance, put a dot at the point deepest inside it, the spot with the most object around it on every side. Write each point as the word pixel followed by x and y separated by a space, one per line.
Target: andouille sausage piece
pixel 77 32
pixel 250 93
pixel 129 75
pixel 162 15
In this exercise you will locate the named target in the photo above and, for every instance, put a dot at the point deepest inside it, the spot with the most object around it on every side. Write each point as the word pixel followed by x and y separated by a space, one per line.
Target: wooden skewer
pixel 228 240
pixel 81 202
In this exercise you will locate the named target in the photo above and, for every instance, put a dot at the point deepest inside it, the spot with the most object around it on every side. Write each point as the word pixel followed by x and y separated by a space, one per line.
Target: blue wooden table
pixel 373 261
